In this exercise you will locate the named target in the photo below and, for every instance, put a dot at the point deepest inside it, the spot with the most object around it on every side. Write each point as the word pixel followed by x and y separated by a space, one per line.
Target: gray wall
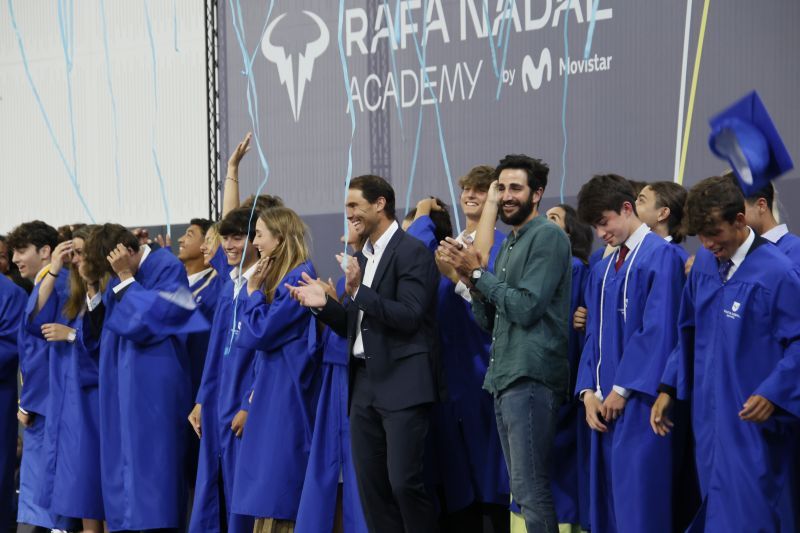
pixel 620 120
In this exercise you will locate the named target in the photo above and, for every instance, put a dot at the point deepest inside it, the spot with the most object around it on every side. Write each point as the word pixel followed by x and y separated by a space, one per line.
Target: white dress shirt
pixel 194 278
pixel 776 233
pixel 741 253
pixel 241 281
pixel 373 253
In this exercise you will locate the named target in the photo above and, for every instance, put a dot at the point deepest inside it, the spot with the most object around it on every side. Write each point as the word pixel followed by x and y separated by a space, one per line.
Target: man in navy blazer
pixel 389 321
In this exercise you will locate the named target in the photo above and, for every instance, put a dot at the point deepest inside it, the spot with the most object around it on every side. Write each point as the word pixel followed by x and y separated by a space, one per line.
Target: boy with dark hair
pixel 221 404
pixel 760 215
pixel 737 360
pixel 141 322
pixel 32 244
pixel 632 299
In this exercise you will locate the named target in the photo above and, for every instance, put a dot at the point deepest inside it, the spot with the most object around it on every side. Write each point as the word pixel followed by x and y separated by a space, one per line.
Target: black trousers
pixel 388 452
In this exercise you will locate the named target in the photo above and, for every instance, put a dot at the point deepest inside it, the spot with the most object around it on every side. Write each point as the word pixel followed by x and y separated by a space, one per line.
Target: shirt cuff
pixel 622 391
pixel 94 301
pixel 23 411
pixel 123 284
pixel 463 291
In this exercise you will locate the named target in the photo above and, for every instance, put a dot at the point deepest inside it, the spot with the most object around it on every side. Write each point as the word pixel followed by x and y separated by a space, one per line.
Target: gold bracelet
pixel 235 180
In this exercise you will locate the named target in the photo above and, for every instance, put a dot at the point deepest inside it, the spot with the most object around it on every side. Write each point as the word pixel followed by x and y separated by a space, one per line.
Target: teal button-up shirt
pixel 525 303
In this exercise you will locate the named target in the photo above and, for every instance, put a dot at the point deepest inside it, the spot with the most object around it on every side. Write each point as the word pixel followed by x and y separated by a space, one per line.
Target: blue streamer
pixel 352 110
pixel 421 57
pixel 397 19
pixel 592 19
pixel 420 114
pixel 505 50
pixel 491 37
pixel 396 81
pixel 113 100
pixel 175 24
pixel 66 36
pixel 564 104
pixel 45 117
pixel 154 149
pixel 252 109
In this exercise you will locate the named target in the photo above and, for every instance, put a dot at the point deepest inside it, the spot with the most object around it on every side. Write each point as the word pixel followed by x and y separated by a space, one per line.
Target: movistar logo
pixel 533 74
pixel 305 62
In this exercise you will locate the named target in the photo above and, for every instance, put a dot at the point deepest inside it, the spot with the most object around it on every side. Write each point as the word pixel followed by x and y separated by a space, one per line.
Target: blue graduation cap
pixel 746 137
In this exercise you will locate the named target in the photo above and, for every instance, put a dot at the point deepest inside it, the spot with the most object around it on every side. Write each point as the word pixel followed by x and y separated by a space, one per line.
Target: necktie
pixel 623 253
pixel 724 269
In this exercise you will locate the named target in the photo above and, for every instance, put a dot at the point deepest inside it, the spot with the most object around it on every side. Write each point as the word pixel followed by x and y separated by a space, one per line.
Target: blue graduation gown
pixel 790 245
pixel 596 256
pixel 629 463
pixel 681 251
pixel 224 390
pixel 570 471
pixel 72 437
pixel 12 307
pixel 330 455
pixel 35 476
pixel 736 340
pixel 277 437
pixel 469 462
pixel 205 292
pixel 144 387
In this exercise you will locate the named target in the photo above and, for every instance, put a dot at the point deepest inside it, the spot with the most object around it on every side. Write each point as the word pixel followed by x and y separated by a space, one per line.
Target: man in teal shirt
pixel 525 304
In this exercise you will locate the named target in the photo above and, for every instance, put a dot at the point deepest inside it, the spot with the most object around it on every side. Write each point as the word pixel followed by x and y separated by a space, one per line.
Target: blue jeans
pixel 526 415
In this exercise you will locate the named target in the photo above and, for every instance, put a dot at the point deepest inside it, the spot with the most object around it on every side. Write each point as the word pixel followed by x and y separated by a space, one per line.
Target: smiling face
pixel 364 216
pixel 265 242
pixel 30 261
pixel 724 238
pixel 615 228
pixel 472 201
pixel 209 246
pixel 189 244
pixel 234 247
pixel 517 200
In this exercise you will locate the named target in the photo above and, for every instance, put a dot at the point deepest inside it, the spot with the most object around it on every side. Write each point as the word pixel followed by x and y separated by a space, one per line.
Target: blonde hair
pixel 292 249
pixel 76 302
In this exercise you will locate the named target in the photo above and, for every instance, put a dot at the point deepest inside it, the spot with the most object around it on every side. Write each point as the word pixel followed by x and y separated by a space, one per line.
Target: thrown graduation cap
pixel 745 136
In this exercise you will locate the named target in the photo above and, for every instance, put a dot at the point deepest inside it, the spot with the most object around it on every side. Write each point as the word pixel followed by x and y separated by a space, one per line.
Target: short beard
pixel 524 211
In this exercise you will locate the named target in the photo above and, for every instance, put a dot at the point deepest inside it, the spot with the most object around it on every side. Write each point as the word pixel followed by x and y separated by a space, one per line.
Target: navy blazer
pixel 398 327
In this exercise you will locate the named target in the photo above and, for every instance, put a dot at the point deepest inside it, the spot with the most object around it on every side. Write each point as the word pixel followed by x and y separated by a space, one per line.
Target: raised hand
pixel 61 255
pixel 493 195
pixel 241 149
pixel 256 281
pixel 121 262
pixel 309 292
pixel 352 273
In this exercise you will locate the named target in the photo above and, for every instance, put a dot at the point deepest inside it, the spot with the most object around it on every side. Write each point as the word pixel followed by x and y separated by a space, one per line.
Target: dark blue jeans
pixel 526 415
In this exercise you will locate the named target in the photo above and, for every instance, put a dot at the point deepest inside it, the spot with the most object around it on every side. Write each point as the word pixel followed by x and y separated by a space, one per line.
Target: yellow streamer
pixel 695 75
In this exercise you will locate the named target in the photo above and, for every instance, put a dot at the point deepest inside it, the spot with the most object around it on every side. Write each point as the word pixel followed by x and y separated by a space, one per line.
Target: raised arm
pixel 230 192
pixel 484 236
pixel 60 255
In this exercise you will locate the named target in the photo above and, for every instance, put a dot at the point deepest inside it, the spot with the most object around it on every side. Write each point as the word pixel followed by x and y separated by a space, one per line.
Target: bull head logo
pixel 305 62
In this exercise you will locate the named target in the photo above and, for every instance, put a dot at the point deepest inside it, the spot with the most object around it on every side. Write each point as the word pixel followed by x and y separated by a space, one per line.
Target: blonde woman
pixel 275 444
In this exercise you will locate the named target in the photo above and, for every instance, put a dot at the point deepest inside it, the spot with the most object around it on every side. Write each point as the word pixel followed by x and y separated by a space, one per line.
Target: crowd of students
pixel 678 406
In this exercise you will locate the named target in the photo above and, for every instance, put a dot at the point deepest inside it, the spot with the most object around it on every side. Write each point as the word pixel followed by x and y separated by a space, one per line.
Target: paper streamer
pixel 252 109
pixel 426 82
pixel 564 104
pixel 67 37
pixel 684 63
pixel 693 92
pixel 45 117
pixel 114 122
pixel 352 111
pixel 175 24
pixel 154 148
pixel 507 17
pixel 394 73
pixel 590 35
